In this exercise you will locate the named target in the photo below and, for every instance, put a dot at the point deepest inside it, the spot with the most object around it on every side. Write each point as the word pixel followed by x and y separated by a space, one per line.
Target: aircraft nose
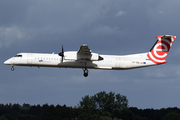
pixel 7 62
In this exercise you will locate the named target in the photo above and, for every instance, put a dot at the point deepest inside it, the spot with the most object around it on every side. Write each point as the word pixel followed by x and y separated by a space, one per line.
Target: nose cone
pixel 7 62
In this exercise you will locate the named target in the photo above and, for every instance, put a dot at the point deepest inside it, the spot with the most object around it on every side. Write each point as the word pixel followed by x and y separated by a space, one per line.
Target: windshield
pixel 18 56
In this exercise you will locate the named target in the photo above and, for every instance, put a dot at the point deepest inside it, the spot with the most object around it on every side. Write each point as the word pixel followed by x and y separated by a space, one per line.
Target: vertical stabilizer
pixel 159 51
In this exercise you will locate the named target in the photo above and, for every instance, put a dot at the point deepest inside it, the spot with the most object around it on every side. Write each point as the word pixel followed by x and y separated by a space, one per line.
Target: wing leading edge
pixel 84 53
pixel 84 49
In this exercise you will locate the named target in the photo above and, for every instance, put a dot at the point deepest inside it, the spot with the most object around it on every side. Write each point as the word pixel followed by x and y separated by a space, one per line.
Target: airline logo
pixel 160 50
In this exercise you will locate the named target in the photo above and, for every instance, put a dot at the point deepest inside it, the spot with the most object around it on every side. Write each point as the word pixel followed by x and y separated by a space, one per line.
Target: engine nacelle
pixel 91 57
pixel 76 56
pixel 70 55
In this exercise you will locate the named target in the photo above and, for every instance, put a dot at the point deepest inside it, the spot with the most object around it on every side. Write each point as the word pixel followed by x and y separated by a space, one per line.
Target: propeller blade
pixel 62 54
pixel 62 50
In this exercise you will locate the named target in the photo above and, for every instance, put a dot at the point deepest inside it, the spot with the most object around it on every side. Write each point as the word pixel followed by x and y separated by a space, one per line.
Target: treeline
pixel 101 106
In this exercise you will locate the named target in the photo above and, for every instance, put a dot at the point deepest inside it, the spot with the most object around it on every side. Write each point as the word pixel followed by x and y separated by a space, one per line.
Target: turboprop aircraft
pixel 84 58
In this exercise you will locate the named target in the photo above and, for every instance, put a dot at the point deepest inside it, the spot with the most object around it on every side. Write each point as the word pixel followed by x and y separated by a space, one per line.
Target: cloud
pixel 8 35
pixel 167 71
pixel 157 73
pixel 13 13
pixel 104 30
pixel 108 27
pixel 55 15
pixel 120 13
pixel 166 11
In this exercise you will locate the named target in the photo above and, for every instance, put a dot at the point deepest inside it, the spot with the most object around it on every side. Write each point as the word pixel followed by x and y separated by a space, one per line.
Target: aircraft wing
pixel 84 53
pixel 84 49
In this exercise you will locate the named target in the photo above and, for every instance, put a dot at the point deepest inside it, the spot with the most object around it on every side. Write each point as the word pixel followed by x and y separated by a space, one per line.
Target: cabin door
pixel 29 58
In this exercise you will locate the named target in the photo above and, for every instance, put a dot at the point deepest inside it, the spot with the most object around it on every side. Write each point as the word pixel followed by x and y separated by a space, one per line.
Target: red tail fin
pixel 159 51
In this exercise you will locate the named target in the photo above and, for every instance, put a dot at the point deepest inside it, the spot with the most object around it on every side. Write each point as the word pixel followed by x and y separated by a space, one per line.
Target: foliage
pixel 101 106
pixel 172 116
pixel 3 118
pixel 103 101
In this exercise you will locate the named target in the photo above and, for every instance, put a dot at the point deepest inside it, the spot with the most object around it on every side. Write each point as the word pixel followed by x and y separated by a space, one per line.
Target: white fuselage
pixel 84 58
pixel 54 60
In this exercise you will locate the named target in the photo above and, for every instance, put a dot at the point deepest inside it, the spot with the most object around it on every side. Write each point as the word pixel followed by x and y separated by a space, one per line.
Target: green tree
pixel 127 115
pixel 104 101
pixel 102 104
pixel 88 102
pixel 3 118
pixel 172 116
pixel 105 118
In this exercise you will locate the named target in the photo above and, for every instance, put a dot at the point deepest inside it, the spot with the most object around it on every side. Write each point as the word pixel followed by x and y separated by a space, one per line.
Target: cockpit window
pixel 18 56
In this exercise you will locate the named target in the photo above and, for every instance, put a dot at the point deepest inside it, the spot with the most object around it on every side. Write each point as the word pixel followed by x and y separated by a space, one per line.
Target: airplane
pixel 84 58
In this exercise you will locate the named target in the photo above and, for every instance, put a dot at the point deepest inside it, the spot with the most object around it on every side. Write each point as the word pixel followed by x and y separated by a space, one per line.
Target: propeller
pixel 62 54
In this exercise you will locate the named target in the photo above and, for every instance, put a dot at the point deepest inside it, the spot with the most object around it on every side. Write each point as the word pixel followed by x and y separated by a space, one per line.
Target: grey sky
pixel 108 27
